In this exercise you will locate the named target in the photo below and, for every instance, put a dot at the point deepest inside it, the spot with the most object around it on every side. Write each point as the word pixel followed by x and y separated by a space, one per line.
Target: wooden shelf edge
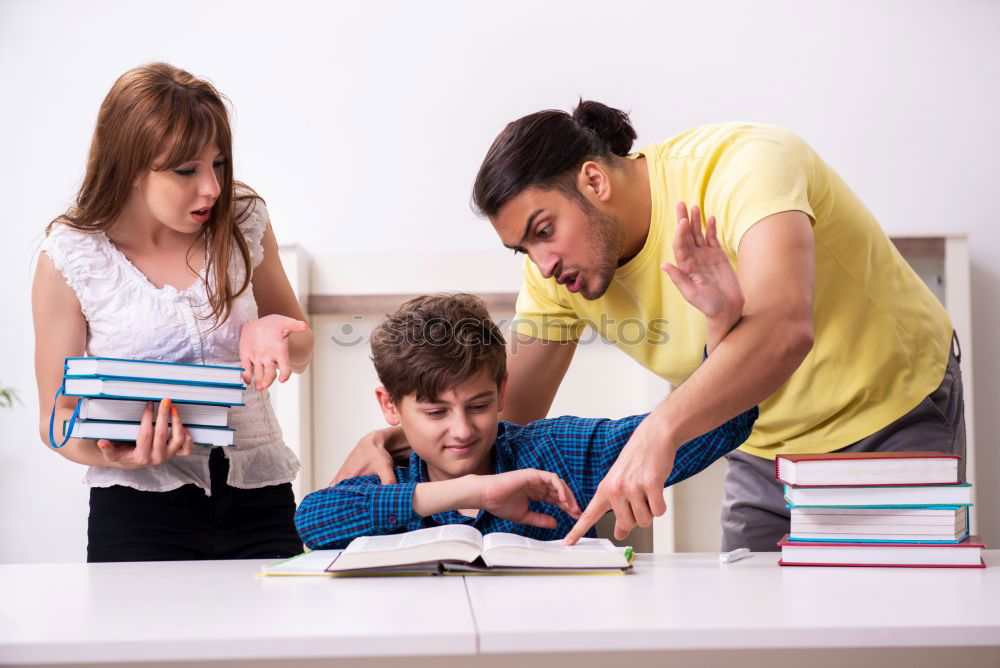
pixel 928 248
pixel 319 304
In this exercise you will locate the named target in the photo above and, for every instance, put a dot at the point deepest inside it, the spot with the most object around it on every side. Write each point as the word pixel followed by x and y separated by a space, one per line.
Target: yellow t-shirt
pixel 881 338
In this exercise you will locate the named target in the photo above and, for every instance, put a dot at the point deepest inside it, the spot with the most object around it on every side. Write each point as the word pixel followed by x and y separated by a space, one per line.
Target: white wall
pixel 363 123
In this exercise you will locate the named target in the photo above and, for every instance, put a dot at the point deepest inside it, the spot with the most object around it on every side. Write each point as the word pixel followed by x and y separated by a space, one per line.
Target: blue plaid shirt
pixel 579 450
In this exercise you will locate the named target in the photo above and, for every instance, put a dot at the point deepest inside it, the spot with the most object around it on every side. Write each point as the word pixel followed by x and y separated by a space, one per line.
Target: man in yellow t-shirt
pixel 841 343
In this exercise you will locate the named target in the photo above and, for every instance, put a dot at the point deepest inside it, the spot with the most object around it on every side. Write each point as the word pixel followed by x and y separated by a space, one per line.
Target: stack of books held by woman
pixel 877 509
pixel 115 393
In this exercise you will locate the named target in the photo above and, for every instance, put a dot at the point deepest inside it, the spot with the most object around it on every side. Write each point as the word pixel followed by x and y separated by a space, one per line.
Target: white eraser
pixel 735 555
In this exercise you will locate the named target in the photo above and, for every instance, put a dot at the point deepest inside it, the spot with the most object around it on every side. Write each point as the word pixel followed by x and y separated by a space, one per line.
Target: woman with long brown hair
pixel 164 256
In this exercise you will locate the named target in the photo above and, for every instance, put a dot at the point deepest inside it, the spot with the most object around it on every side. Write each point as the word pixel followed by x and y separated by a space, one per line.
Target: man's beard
pixel 607 242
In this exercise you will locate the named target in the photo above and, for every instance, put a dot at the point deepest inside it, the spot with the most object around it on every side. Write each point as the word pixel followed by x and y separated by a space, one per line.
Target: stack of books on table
pixel 115 392
pixel 877 509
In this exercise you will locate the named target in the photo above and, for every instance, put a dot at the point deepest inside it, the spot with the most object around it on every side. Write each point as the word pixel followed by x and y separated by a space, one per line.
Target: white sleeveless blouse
pixel 128 317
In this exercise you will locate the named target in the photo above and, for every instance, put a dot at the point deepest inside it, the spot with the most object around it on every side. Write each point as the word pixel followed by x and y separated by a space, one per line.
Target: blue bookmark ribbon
pixel 52 419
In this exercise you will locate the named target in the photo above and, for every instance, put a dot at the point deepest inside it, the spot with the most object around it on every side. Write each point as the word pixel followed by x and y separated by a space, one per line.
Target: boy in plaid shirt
pixel 442 364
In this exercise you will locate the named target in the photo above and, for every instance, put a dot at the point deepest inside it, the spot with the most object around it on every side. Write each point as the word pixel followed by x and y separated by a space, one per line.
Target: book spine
pixel 163 381
pixel 132 410
pixel 102 395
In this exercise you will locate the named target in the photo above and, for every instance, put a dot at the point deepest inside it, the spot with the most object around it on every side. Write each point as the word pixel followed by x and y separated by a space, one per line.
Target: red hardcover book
pixel 859 469
pixel 967 554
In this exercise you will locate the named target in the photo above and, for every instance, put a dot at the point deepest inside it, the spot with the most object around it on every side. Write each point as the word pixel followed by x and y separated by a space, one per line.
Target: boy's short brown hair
pixel 434 343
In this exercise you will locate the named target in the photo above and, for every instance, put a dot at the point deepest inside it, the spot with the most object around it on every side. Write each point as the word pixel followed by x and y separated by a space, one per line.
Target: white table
pixel 682 609
pixel 691 602
pixel 183 611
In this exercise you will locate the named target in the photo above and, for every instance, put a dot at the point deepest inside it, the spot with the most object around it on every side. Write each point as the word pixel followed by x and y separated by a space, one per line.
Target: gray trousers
pixel 753 508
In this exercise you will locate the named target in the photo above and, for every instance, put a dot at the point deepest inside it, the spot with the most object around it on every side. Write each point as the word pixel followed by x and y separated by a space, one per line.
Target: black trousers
pixel 185 524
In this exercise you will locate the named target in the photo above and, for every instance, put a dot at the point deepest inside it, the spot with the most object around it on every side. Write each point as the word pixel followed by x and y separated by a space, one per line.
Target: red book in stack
pixel 967 554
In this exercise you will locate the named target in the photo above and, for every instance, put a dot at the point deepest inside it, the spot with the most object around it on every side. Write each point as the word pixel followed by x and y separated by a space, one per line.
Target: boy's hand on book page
pixel 507 495
pixel 703 273
pixel 633 488
pixel 153 446
pixel 264 349
pixel 370 456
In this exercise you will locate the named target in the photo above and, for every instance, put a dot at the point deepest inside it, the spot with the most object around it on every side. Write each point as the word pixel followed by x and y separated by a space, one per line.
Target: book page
pixel 456 542
pixel 453 533
pixel 504 549
pixel 511 540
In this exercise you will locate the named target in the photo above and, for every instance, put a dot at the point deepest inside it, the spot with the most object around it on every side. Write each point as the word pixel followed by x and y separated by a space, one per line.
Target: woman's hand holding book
pixel 155 444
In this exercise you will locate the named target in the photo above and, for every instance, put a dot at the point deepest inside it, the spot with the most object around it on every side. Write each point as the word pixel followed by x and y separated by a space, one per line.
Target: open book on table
pixel 460 548
pixel 463 550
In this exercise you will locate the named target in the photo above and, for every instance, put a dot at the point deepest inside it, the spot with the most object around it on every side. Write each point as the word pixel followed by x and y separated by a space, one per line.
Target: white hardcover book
pixel 849 521
pixel 954 531
pixel 125 410
pixel 890 521
pixel 903 495
pixel 888 537
pixel 953 527
pixel 868 468
pixel 129 431
pixel 152 391
pixel 918 515
pixel 154 370
pixel 463 548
